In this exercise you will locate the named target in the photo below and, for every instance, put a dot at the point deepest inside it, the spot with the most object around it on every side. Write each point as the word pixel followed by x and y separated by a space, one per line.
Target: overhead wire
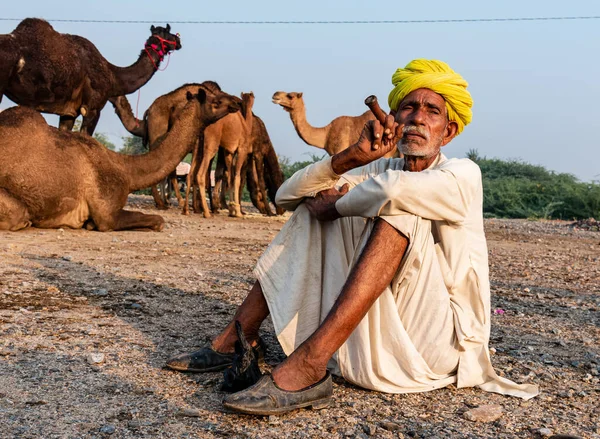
pixel 275 22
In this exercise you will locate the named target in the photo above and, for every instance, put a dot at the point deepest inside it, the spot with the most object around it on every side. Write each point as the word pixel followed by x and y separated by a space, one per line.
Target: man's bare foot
pixel 297 373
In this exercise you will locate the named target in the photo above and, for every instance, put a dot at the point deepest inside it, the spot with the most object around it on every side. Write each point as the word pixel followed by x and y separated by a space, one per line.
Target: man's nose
pixel 418 116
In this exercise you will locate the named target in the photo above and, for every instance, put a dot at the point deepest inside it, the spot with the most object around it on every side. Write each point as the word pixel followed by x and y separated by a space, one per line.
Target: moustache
pixel 415 129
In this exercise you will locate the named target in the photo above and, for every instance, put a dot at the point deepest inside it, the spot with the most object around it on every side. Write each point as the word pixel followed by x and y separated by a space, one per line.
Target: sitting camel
pixel 50 178
pixel 336 136
pixel 66 74
pixel 158 120
pixel 232 133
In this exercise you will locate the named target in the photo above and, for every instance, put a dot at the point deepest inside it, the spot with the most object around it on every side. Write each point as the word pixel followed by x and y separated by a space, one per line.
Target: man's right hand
pixel 375 141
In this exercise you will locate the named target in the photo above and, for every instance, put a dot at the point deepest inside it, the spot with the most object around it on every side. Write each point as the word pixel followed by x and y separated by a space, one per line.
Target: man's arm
pixel 307 182
pixel 444 193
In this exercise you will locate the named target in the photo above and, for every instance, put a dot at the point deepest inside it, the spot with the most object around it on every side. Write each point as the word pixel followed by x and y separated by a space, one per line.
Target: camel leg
pixel 234 190
pixel 218 195
pixel 259 169
pixel 189 180
pixel 66 123
pixel 157 198
pixel 13 214
pixel 129 220
pixel 175 186
pixel 90 120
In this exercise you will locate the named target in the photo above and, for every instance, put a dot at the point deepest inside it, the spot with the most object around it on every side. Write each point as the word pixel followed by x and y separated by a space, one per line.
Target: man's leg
pixel 251 313
pixel 369 277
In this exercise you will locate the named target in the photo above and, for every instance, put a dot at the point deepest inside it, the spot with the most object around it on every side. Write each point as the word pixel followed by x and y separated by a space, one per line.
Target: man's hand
pixel 375 141
pixel 322 206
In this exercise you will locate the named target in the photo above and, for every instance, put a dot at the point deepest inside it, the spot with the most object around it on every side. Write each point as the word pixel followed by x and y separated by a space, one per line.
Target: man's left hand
pixel 322 206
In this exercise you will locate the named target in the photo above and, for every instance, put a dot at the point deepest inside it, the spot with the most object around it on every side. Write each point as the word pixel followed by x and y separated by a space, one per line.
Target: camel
pixel 232 133
pixel 50 178
pixel 336 136
pixel 66 74
pixel 158 120
pixel 263 173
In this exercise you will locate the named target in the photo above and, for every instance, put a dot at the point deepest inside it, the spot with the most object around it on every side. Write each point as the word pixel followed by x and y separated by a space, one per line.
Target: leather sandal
pixel 266 398
pixel 209 360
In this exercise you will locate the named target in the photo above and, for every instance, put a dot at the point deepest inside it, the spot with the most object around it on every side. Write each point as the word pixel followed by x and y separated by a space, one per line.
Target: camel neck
pixel 131 78
pixel 148 169
pixel 312 135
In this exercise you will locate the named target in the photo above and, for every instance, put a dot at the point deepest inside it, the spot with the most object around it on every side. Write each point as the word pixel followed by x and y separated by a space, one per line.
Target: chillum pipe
pixel 371 102
pixel 373 105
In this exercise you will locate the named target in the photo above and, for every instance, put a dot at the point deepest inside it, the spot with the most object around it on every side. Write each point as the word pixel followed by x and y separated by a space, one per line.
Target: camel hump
pixel 33 25
pixel 17 116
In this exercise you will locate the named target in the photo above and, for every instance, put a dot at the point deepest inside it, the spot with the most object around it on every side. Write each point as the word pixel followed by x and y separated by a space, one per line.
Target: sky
pixel 535 84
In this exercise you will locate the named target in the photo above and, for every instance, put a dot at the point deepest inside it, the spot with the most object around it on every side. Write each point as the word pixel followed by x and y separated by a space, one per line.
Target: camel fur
pixel 51 178
pixel 66 74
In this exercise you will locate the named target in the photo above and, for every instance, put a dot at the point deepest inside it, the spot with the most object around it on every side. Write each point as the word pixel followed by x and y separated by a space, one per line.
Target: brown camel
pixel 66 74
pixel 51 178
pixel 232 133
pixel 158 120
pixel 263 173
pixel 336 136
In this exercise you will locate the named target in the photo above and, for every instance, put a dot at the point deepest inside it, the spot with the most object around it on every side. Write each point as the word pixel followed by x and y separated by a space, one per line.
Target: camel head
pixel 214 106
pixel 163 39
pixel 247 102
pixel 288 101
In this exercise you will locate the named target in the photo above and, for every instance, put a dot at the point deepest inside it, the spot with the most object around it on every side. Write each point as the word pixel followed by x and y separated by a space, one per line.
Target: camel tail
pixel 125 114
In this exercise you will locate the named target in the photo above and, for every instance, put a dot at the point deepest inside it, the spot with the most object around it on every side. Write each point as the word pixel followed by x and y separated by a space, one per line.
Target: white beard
pixel 416 151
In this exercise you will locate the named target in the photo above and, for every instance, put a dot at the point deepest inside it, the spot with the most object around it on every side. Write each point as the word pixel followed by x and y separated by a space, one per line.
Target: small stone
pixel 188 413
pixel 100 292
pixel 527 290
pixel 136 306
pixel 389 426
pixel 107 429
pixel 273 420
pixel 484 413
pixel 95 358
pixel 67 258
pixel 543 432
pixel 369 429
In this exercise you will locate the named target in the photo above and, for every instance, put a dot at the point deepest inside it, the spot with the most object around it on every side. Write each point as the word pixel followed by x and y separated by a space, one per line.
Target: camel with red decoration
pixel 66 74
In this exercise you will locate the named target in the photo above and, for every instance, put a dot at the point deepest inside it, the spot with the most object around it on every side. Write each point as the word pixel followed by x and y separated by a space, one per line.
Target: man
pixel 381 273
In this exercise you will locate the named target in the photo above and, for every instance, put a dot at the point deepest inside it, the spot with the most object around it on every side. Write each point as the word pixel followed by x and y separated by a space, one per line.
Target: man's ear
pixel 450 132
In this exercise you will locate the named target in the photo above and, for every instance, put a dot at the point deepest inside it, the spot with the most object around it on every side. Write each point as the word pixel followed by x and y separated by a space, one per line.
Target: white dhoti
pixel 407 340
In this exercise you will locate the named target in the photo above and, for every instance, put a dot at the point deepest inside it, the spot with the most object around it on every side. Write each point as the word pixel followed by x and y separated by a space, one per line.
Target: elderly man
pixel 381 273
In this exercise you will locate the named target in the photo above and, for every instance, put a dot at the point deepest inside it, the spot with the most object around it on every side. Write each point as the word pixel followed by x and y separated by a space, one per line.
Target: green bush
pixel 516 189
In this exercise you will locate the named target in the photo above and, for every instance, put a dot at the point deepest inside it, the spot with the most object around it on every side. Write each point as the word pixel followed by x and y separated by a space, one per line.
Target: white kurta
pixel 431 326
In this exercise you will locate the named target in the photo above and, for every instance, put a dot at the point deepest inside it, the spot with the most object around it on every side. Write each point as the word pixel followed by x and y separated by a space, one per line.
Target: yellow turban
pixel 438 77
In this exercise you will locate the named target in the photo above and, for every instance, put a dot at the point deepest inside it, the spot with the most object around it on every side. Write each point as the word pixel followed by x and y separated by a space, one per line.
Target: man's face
pixel 423 114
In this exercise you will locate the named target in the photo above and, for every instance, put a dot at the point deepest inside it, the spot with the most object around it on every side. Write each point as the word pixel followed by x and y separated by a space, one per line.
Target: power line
pixel 460 20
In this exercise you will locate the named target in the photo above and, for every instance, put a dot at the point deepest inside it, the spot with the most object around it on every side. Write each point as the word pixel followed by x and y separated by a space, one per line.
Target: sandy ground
pixel 88 319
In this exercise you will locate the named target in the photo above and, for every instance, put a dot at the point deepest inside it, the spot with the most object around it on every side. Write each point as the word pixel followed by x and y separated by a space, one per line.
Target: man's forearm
pixel 306 183
pixel 345 161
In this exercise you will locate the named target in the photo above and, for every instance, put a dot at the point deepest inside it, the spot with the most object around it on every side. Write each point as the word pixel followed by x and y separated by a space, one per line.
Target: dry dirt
pixel 132 299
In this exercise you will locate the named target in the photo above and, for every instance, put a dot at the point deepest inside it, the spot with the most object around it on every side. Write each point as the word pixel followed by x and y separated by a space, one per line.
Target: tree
pixel 103 138
pixel 100 137
pixel 132 145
